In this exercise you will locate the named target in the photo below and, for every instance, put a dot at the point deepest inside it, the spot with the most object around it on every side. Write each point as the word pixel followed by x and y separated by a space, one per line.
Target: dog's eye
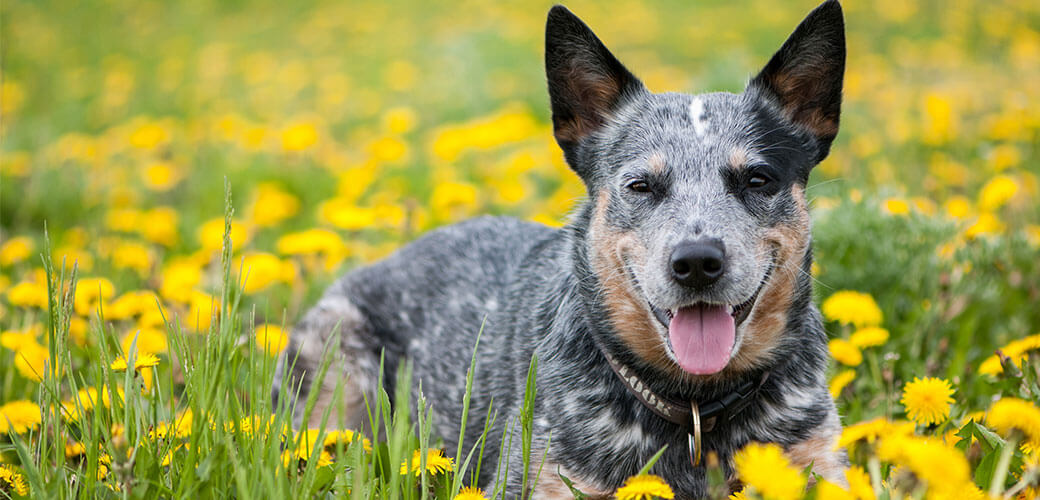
pixel 639 186
pixel 757 181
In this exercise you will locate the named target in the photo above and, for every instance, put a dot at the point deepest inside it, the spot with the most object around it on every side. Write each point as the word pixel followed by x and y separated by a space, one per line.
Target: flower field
pixel 179 182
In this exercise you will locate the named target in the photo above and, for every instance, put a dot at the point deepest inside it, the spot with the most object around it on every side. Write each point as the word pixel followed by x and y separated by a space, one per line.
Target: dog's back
pixel 427 302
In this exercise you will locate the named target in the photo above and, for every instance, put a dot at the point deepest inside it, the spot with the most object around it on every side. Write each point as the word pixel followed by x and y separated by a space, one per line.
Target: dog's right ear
pixel 586 82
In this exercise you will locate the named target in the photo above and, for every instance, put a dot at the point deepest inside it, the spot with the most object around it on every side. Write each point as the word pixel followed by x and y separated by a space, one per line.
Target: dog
pixel 675 307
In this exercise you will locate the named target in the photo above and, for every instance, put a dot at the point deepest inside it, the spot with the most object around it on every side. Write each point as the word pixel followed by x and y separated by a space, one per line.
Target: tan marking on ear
pixel 821 451
pixel 791 88
pixel 767 320
pixel 551 487
pixel 626 306
pixel 738 158
pixel 657 163
pixel 595 95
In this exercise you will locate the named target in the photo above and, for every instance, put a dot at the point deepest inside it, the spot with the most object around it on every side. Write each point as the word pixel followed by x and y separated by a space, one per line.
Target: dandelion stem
pixel 996 485
pixel 874 466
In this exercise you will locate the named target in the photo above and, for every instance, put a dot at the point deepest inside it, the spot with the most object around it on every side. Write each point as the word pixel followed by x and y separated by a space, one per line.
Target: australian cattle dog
pixel 674 308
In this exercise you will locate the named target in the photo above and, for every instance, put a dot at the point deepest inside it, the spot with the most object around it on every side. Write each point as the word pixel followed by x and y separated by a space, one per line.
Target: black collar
pixel 681 414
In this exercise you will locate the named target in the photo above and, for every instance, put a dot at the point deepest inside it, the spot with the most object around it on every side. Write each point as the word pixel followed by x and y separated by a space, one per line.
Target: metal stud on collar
pixel 694 439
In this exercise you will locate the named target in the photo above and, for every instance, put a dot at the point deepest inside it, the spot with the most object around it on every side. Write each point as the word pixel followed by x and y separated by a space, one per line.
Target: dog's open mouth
pixel 702 335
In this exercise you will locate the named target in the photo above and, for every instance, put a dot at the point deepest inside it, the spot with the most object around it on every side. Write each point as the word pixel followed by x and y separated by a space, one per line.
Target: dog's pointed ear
pixel 586 82
pixel 805 76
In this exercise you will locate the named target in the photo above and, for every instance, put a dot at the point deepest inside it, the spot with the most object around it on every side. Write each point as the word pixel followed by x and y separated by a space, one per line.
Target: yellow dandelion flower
pixel 436 463
pixel 143 360
pixel 859 483
pixel 987 224
pixel 271 339
pixel 927 400
pixel 644 487
pixel 310 242
pixel 272 205
pixel 148 340
pixel 765 469
pixel 19 416
pixel 68 255
pixel 997 192
pixel 149 135
pixel 159 225
pixel 453 200
pixel 826 490
pixel 130 304
pixel 344 214
pixel 211 234
pixel 11 481
pixel 260 270
pixel 28 294
pixel 871 430
pixel 299 136
pixel 85 399
pixel 399 120
pixel 845 352
pixel 851 307
pixel 179 278
pixel 958 207
pixel 160 176
pixel 1009 414
pixel 942 466
pixel 32 361
pixel 15 250
pixel 346 436
pixel 124 220
pixel 90 292
pixel 471 493
pixel 896 206
pixel 74 449
pixel 739 495
pixel 78 330
pixel 16 339
pixel 869 337
pixel 132 255
pixel 202 307
pixel 840 381
pixel 1016 351
pixel 387 149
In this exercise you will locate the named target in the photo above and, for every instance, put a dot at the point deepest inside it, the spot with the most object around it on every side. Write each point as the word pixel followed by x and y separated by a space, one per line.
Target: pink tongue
pixel 702 337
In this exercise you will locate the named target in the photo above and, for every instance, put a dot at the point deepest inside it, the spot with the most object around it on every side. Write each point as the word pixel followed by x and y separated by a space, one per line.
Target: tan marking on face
pixel 765 324
pixel 738 158
pixel 626 306
pixel 820 451
pixel 657 163
pixel 551 487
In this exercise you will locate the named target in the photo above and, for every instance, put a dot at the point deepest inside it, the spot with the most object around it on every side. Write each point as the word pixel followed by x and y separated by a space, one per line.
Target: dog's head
pixel 698 228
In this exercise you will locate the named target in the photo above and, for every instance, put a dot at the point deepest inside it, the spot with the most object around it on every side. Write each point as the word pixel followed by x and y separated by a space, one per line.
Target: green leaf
pixel 578 494
pixel 653 460
pixel 988 439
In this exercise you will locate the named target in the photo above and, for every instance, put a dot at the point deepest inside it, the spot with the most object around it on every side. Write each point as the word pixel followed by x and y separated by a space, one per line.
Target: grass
pixel 344 130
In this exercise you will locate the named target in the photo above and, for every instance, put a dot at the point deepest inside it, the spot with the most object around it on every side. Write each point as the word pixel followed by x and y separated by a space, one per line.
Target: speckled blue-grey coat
pixel 695 203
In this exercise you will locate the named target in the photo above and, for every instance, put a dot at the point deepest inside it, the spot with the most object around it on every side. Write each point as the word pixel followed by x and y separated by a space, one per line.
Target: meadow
pixel 179 181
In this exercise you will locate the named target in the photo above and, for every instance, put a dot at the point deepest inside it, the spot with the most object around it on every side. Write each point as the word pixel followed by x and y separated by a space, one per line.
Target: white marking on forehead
pixel 700 122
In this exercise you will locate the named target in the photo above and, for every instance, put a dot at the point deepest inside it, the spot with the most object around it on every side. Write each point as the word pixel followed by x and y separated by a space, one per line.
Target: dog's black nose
pixel 698 263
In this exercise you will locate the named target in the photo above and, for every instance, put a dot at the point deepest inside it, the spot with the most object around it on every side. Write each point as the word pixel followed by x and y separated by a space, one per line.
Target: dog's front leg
pixel 820 450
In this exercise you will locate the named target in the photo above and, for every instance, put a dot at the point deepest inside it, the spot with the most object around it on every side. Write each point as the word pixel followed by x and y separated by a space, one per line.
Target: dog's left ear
pixel 805 76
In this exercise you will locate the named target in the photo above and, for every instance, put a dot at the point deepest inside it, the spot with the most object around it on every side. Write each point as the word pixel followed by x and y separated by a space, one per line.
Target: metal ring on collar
pixel 694 438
